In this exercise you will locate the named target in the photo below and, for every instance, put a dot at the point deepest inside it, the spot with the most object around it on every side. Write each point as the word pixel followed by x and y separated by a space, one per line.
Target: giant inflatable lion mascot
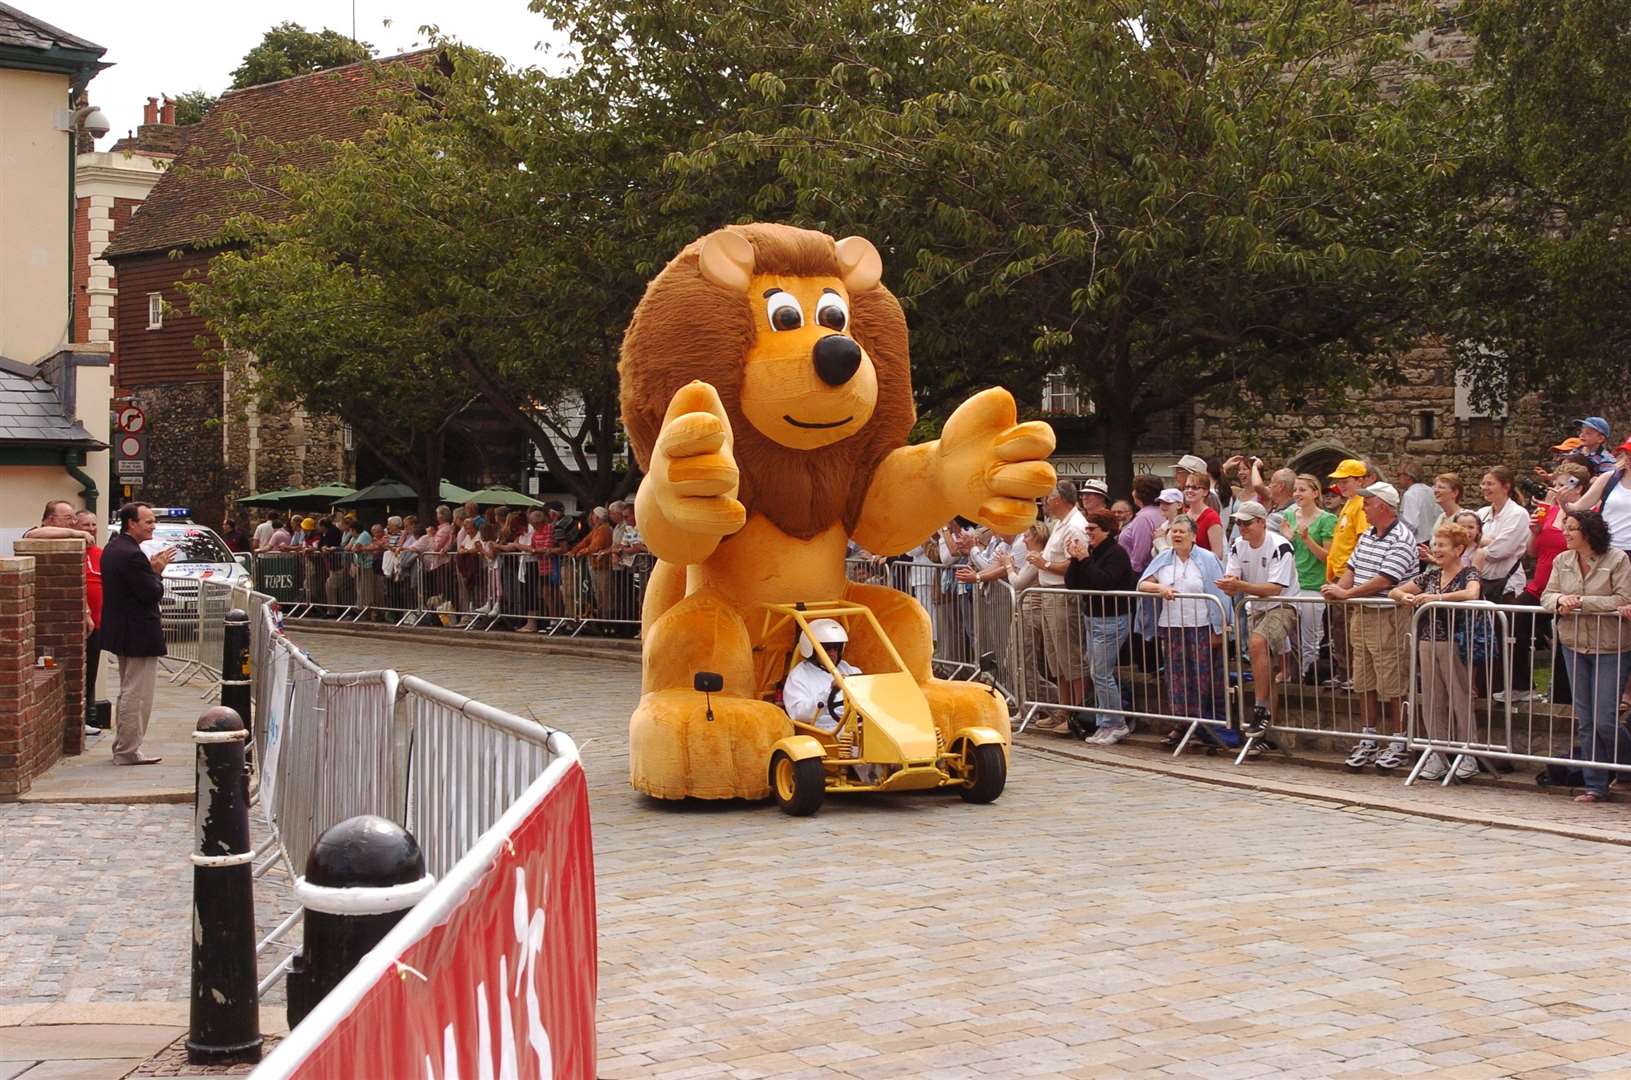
pixel 767 393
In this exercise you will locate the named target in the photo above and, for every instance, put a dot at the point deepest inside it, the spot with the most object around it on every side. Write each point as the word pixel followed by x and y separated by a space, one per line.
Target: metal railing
pixel 551 594
pixel 1313 695
pixel 328 746
pixel 1122 656
pixel 1501 683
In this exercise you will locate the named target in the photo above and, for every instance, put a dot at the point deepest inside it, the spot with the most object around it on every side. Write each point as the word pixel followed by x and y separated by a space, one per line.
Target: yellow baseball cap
pixel 309 524
pixel 1351 468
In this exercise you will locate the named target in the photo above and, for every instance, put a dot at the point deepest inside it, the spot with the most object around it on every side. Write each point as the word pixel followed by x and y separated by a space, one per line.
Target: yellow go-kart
pixel 886 739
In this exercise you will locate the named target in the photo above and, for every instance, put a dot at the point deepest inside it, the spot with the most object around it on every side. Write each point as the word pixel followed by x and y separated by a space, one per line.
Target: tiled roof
pixel 187 207
pixel 24 31
pixel 31 414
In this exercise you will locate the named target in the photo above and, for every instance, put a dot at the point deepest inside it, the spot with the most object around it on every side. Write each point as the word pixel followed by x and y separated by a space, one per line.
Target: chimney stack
pixel 150 112
pixel 167 114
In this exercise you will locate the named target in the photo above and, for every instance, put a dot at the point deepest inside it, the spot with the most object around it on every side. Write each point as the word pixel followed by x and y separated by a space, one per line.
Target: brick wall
pixel 59 626
pixel 31 701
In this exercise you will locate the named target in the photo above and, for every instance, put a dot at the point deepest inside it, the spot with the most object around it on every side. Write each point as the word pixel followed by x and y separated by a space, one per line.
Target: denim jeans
pixel 1105 636
pixel 1596 679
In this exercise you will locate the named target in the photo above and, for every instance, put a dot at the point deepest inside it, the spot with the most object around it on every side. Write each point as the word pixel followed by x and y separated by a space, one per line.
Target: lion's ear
pixel 727 260
pixel 861 264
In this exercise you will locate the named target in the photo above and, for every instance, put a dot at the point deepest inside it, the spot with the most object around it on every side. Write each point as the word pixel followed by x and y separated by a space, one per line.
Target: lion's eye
pixel 831 311
pixel 783 310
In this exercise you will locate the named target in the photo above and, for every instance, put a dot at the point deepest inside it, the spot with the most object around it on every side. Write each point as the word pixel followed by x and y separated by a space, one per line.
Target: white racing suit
pixel 808 691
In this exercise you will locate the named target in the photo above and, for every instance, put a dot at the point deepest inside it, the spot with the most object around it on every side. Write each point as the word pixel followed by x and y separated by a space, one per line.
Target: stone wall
pixel 184 466
pixel 290 448
pixel 1415 417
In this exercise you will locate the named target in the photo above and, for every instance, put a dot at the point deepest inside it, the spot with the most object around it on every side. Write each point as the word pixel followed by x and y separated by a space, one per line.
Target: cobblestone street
pixel 1096 921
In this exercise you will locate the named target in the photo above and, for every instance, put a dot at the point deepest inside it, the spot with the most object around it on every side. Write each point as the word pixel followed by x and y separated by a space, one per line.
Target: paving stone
pixel 1096 921
pixel 84 1041
pixel 105 1069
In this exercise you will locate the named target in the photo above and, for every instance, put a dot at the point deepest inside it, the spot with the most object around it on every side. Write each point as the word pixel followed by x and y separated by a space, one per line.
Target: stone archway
pixel 1318 458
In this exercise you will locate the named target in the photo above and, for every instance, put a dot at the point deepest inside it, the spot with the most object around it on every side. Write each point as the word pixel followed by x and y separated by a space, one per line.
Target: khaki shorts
pixel 1278 626
pixel 1062 636
pixel 1381 657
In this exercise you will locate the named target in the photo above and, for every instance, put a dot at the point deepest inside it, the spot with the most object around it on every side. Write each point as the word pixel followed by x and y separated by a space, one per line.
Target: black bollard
pixel 225 1017
pixel 235 669
pixel 361 877
pixel 236 685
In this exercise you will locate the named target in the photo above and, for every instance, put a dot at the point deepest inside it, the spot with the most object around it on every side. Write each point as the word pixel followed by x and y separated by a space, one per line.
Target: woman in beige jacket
pixel 1590 583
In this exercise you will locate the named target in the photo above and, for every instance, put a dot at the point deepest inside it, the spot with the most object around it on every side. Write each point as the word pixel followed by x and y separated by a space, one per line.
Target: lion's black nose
pixel 836 358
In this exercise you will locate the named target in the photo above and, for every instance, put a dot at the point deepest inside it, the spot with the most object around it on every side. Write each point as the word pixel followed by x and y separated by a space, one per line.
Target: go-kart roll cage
pixel 800 614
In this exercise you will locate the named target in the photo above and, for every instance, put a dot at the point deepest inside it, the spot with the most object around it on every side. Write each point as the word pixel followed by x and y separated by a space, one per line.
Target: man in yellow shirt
pixel 1350 476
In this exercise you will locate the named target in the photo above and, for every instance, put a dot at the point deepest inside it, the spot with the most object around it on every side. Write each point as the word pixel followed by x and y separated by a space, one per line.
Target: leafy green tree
pixel 1167 200
pixel 304 326
pixel 457 214
pixel 192 105
pixel 289 49
pixel 1536 260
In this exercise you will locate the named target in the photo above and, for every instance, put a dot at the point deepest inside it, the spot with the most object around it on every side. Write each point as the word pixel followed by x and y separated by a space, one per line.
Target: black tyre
pixel 988 768
pixel 799 786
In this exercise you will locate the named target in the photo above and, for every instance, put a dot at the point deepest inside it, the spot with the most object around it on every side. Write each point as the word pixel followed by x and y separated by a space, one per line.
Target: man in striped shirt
pixel 1384 556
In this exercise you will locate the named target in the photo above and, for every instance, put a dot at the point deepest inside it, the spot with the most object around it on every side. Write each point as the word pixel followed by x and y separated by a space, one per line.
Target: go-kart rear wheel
pixel 988 773
pixel 799 786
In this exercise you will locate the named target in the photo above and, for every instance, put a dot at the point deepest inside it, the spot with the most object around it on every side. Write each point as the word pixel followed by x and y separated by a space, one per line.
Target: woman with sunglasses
pixel 1208 523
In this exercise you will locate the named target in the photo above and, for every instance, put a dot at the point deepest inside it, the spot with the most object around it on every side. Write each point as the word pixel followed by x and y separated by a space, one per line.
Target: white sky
pixel 171 46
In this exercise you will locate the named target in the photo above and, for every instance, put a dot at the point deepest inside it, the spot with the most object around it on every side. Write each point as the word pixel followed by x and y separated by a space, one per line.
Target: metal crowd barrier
pixel 551 594
pixel 568 595
pixel 498 756
pixel 1503 689
pixel 329 746
pixel 1313 694
pixel 1109 654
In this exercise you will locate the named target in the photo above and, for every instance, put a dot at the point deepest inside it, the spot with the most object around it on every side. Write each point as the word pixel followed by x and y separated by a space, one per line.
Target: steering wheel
pixel 835 701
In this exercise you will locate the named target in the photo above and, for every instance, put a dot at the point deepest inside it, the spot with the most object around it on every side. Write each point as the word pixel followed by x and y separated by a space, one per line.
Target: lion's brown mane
pixel 686 328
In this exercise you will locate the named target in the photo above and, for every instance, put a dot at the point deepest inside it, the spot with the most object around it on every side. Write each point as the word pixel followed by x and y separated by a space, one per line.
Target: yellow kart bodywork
pixel 887 740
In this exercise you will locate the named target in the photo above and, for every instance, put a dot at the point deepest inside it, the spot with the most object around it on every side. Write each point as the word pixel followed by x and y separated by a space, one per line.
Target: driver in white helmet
pixel 810 695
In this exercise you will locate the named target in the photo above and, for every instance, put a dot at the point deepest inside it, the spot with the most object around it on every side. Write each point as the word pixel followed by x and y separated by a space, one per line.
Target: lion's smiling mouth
pixel 816 427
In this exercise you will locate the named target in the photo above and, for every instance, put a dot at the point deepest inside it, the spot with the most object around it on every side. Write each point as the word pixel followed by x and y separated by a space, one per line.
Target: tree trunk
pixel 427 483
pixel 1119 429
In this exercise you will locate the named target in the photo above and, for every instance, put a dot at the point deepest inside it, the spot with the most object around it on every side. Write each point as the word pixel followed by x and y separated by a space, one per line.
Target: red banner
pixel 499 984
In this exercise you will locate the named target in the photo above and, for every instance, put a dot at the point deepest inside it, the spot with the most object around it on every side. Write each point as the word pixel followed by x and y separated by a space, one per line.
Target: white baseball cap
pixel 1170 495
pixel 1384 491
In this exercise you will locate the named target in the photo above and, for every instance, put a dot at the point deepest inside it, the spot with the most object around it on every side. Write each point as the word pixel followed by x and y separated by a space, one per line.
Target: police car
pixel 200 555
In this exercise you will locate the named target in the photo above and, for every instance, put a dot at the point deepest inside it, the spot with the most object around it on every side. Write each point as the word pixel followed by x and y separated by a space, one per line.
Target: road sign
pixel 130 449
pixel 132 420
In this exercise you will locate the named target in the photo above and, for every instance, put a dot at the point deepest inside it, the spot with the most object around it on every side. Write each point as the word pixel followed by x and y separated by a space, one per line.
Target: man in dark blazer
pixel 131 628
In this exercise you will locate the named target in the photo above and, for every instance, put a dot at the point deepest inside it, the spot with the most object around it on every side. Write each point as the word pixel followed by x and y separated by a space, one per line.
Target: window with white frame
pixel 1061 398
pixel 155 311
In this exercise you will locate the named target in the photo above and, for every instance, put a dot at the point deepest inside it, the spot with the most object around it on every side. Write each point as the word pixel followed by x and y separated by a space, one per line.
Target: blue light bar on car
pixel 172 511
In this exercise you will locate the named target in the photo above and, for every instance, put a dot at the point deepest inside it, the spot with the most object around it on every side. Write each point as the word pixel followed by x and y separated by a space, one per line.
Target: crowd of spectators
pixel 1301 578
pixel 522 570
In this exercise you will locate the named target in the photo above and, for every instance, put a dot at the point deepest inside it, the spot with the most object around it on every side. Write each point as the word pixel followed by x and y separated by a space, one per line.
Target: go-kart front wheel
pixel 799 786
pixel 988 773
